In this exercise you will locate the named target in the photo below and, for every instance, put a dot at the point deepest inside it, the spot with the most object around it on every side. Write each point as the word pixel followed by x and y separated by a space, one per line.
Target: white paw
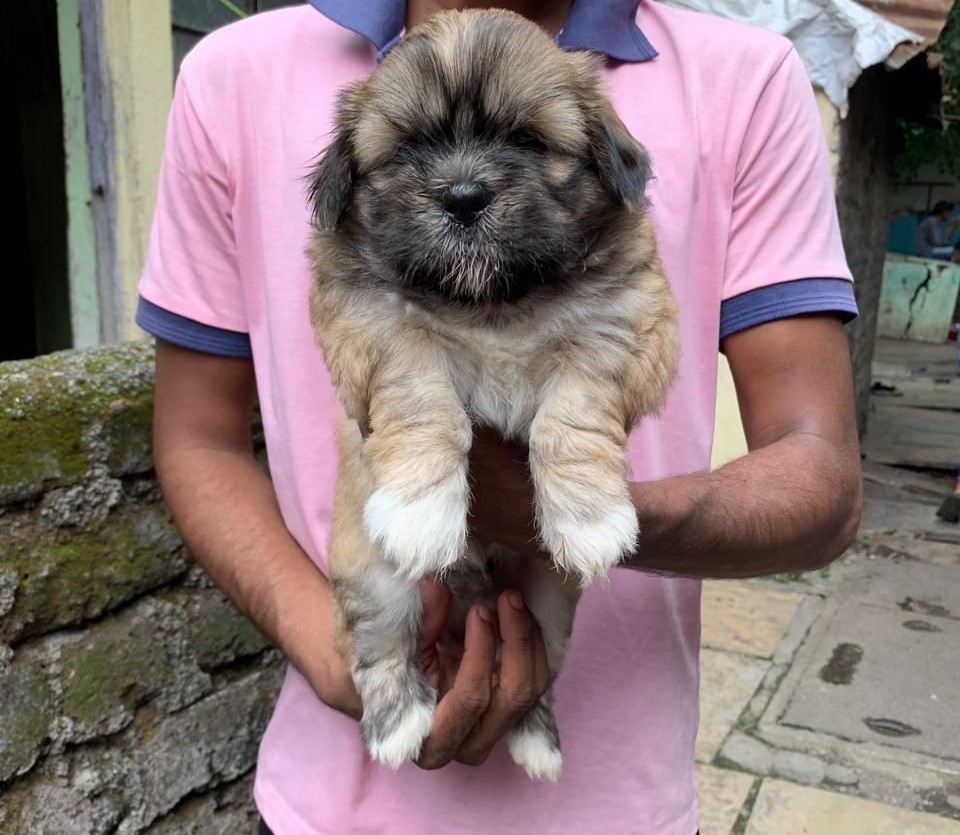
pixel 422 537
pixel 591 549
pixel 406 739
pixel 536 754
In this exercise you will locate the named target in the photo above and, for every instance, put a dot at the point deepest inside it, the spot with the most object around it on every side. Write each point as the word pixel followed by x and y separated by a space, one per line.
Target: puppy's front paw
pixel 422 537
pixel 590 548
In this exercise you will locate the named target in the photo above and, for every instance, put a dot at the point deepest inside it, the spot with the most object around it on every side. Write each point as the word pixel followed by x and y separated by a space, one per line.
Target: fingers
pixel 465 703
pixel 524 678
pixel 436 609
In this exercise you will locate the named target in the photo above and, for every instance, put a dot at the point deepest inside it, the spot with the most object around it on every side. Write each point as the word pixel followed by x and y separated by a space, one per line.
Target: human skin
pixel 791 504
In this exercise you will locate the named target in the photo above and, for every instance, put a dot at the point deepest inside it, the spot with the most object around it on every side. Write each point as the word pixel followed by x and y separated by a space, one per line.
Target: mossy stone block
pixel 52 411
pixel 26 711
pixel 67 575
pixel 219 634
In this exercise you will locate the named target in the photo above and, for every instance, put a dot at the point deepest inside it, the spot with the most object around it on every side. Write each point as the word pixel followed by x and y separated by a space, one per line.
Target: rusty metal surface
pixel 925 17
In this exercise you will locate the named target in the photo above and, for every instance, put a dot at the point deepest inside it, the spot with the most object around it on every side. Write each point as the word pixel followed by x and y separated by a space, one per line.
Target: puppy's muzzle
pixel 464 201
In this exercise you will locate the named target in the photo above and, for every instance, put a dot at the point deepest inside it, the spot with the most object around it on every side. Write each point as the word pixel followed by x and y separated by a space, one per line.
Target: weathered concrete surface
pixel 884 676
pixel 740 617
pixel 730 680
pixel 722 795
pixel 889 511
pixel 785 809
pixel 875 636
pixel 924 550
pixel 897 583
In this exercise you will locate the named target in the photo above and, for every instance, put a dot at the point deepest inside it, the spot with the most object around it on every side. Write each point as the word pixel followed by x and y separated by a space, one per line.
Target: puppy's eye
pixel 528 141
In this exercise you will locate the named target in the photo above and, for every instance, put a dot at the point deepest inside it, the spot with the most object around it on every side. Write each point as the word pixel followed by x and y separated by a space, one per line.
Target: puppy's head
pixel 478 162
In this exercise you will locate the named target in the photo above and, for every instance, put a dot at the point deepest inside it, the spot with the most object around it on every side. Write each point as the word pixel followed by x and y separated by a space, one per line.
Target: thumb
pixel 436 609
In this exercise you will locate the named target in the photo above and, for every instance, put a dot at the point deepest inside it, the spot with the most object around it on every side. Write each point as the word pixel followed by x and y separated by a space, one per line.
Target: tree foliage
pixel 929 144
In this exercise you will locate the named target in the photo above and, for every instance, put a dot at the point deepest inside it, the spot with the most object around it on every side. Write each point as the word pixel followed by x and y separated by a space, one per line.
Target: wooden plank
pixel 921 394
pixel 913 437
pixel 81 236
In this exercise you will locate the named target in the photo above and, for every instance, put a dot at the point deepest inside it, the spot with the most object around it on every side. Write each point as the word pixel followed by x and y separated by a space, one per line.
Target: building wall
pixel 923 191
pixel 140 74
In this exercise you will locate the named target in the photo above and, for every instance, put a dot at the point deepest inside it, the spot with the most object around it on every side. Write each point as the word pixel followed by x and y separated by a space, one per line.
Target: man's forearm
pixel 227 513
pixel 791 506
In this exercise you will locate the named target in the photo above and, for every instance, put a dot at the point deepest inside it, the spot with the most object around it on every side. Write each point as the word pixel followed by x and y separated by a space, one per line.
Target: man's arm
pixel 226 510
pixel 792 504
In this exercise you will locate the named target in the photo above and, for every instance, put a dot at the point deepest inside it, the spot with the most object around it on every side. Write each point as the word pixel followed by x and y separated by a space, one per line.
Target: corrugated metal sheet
pixel 925 17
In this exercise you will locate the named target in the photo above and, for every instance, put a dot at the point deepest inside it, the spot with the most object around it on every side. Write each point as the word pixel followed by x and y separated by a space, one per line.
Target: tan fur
pixel 567 373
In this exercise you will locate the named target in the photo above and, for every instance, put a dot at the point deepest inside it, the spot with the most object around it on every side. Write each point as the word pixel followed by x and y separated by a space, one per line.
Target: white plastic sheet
pixel 836 39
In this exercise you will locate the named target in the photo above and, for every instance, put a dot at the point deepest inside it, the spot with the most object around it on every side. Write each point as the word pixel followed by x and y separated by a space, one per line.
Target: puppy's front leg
pixel 578 465
pixel 418 456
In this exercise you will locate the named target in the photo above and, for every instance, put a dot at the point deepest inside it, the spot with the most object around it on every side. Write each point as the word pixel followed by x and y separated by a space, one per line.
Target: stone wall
pixel 132 695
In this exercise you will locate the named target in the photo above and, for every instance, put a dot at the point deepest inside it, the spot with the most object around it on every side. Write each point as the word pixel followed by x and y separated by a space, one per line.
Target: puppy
pixel 483 257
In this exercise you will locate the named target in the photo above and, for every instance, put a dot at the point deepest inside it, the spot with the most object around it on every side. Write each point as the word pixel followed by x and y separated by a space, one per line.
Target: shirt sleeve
pixel 784 228
pixel 191 274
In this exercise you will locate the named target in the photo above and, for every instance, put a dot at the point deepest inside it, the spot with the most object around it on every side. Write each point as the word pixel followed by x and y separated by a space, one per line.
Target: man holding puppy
pixel 743 210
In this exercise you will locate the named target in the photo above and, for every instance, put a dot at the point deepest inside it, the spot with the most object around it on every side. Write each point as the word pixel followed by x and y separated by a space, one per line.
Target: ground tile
pixel 887 677
pixel 900 583
pixel 740 617
pixel 785 809
pixel 722 794
pixel 727 681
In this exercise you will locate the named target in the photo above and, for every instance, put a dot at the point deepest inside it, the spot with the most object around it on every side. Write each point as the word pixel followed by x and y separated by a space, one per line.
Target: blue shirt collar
pixel 607 26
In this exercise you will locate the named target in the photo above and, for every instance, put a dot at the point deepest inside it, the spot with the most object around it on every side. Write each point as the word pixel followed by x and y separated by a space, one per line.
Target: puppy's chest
pixel 500 377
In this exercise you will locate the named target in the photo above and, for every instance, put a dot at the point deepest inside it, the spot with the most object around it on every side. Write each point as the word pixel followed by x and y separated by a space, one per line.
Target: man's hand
pixel 485 700
pixel 502 506
pixel 479 699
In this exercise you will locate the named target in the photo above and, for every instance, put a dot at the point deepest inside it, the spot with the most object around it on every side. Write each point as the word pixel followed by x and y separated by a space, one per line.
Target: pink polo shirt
pixel 743 208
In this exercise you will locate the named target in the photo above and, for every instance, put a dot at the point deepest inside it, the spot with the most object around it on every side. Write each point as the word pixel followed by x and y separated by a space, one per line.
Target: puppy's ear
pixel 331 180
pixel 331 184
pixel 622 163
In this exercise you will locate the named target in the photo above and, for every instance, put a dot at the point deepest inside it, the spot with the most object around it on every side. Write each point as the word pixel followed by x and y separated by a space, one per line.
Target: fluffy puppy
pixel 482 256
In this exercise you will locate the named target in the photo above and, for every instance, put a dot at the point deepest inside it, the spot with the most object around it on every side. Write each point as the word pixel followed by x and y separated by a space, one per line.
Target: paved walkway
pixel 831 701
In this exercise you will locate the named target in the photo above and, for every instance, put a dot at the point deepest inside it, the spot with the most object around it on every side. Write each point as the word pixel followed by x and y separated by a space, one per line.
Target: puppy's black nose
pixel 465 201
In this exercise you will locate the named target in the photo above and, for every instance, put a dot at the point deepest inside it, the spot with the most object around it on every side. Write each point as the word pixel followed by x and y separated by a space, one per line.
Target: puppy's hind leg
pixel 535 743
pixel 381 609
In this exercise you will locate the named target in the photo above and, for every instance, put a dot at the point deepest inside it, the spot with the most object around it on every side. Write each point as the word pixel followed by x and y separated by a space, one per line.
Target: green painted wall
pixel 918 298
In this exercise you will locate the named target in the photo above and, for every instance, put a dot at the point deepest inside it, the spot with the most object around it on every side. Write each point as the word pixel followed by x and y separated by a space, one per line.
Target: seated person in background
pixel 932 238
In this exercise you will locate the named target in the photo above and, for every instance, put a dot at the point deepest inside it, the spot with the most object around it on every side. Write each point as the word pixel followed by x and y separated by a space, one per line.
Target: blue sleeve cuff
pixel 789 298
pixel 188 333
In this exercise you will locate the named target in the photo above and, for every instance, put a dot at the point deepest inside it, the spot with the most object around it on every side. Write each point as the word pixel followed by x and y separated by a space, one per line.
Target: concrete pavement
pixel 830 701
